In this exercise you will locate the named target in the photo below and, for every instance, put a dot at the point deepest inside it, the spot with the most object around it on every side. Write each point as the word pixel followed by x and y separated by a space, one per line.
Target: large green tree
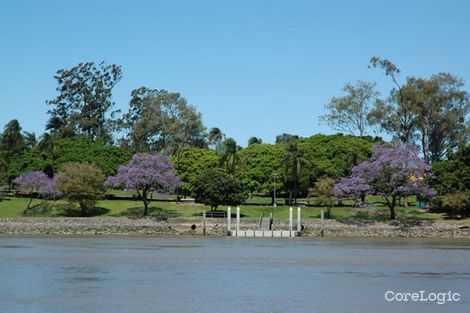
pixel 334 155
pixel 84 100
pixel 163 121
pixel 215 187
pixel 192 162
pixel 441 108
pixel 261 169
pixel 453 174
pixel 397 114
pixel 351 113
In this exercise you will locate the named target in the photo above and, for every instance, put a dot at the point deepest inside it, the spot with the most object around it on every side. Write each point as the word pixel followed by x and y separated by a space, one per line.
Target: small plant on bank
pixel 82 183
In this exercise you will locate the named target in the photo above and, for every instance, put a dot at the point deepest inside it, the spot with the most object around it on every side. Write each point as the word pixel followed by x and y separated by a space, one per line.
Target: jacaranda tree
pixel 37 183
pixel 352 187
pixel 392 171
pixel 146 173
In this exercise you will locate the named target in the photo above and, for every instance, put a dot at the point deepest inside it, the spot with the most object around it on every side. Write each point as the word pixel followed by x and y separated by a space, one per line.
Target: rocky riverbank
pixel 218 227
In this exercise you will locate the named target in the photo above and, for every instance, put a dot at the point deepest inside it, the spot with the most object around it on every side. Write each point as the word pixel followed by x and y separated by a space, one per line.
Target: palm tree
pixel 30 140
pixel 229 158
pixel 293 166
pixel 215 136
pixel 254 140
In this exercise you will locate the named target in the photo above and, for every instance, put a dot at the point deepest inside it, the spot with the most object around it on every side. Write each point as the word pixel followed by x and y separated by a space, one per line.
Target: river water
pixel 223 275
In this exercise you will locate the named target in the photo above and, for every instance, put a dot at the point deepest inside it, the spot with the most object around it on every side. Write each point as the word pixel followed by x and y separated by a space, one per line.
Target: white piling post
pixel 204 223
pixel 290 221
pixel 229 220
pixel 238 220
pixel 322 214
pixel 299 226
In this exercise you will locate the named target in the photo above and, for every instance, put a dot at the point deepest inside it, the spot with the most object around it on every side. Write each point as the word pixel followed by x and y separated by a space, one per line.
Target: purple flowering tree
pixel 393 171
pixel 37 182
pixel 352 187
pixel 144 174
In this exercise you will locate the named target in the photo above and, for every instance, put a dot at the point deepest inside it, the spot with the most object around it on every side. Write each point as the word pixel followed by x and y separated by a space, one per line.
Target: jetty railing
pixel 262 232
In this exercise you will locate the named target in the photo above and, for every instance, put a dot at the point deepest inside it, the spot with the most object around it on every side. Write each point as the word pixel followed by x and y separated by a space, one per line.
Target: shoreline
pixel 175 227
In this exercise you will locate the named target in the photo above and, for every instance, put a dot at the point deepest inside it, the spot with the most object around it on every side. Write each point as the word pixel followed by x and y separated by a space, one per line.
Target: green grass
pixel 14 207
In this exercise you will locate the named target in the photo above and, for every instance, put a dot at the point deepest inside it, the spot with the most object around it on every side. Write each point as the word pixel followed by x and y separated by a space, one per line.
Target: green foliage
pixel 456 203
pixel 229 158
pixel 323 190
pixel 295 166
pixel 430 111
pixel 453 175
pixel 350 113
pixel 75 149
pixel 334 155
pixel 215 187
pixel 191 163
pixel 285 138
pixel 254 140
pixel 13 145
pixel 260 164
pixel 452 181
pixel 83 101
pixel 82 183
pixel 163 121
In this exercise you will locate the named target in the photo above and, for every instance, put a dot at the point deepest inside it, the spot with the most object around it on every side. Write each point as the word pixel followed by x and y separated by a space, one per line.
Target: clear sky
pixel 252 68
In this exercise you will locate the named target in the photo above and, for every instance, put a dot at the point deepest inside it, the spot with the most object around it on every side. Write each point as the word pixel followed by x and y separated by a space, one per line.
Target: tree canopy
pixel 159 120
pixel 351 112
pixel 146 173
pixel 392 171
pixel 192 162
pixel 82 183
pixel 51 155
pixel 84 100
pixel 215 187
pixel 261 164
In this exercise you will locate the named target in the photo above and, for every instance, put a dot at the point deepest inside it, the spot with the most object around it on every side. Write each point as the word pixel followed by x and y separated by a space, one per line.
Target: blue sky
pixel 252 68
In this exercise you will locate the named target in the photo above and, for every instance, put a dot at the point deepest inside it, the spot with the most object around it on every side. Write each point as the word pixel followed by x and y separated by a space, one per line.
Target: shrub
pixel 82 183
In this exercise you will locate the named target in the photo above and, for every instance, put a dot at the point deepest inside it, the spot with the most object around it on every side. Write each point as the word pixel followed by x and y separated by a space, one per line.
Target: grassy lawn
pixel 376 210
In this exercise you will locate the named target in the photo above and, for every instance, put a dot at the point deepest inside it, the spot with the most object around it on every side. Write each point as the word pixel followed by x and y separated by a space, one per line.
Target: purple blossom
pixel 38 182
pixel 146 173
pixel 351 187
pixel 392 171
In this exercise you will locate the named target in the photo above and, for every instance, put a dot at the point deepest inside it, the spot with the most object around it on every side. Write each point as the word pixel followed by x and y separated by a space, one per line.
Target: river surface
pixel 224 275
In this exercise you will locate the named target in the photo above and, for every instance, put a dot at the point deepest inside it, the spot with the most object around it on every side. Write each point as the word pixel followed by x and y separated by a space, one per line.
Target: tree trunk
pixel 405 201
pixel 146 203
pixel 29 203
pixel 82 208
pixel 328 213
pixel 146 208
pixel 392 207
